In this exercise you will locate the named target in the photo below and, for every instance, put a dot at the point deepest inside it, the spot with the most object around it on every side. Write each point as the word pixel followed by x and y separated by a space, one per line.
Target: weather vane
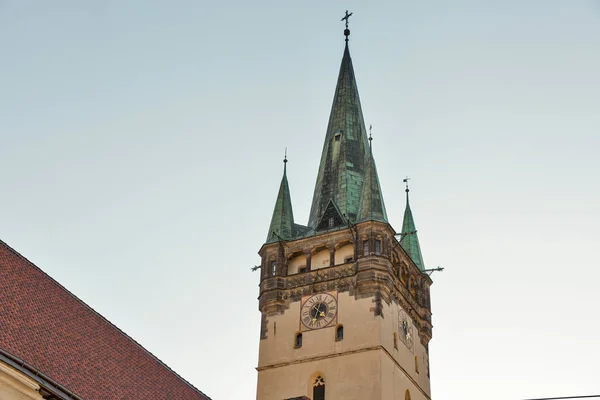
pixel 346 18
pixel 405 180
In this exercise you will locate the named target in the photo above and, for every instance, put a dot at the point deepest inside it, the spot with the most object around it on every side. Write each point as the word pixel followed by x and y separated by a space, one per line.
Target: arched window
pixel 407 395
pixel 339 332
pixel 298 341
pixel 319 388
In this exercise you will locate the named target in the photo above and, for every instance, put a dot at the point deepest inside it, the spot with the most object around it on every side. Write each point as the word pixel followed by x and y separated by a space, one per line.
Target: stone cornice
pixel 18 376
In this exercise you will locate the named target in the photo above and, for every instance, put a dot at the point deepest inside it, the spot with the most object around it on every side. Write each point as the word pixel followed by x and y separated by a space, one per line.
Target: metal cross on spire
pixel 405 180
pixel 346 31
pixel 346 17
pixel 370 137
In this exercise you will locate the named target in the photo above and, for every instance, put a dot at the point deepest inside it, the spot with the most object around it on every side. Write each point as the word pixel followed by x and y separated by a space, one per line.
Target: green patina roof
pixel 345 151
pixel 371 203
pixel 410 240
pixel 282 223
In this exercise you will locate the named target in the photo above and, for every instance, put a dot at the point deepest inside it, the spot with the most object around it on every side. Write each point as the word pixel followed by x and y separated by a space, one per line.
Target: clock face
pixel 318 311
pixel 405 329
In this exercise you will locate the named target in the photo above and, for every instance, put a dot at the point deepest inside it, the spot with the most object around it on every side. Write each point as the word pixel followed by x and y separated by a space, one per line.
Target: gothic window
pixel 298 341
pixel 331 222
pixel 319 388
pixel 378 247
pixel 407 395
pixel 273 268
pixel 339 332
pixel 366 247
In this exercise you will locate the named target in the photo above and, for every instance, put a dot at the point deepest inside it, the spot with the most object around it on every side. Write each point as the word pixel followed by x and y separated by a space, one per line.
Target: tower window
pixel 378 247
pixel 273 268
pixel 395 340
pixel 331 222
pixel 417 364
pixel 366 247
pixel 298 341
pixel 338 136
pixel 339 333
pixel 319 388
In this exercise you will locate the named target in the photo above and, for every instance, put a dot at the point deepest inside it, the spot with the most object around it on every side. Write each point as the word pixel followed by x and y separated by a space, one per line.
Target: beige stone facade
pixel 382 304
pixel 14 385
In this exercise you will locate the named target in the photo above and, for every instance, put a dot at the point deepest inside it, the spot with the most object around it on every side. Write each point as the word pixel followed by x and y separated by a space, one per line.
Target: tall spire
pixel 345 151
pixel 371 207
pixel 282 221
pixel 410 240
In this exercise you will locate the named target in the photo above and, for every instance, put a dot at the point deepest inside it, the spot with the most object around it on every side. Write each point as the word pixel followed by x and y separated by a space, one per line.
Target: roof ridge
pixel 54 281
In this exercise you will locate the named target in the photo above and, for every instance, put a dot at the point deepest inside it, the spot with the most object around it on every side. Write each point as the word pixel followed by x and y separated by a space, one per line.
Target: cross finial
pixel 405 180
pixel 346 17
pixel 285 156
pixel 370 137
pixel 346 31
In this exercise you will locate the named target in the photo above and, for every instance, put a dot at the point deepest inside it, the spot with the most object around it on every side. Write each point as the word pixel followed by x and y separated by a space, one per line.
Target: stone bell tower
pixel 345 299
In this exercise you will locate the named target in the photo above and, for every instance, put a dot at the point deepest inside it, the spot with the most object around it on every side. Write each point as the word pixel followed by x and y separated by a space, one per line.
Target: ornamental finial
pixel 346 31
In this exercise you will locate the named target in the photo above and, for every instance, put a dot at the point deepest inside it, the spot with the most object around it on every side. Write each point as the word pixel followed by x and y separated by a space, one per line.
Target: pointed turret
pixel 372 207
pixel 282 222
pixel 410 240
pixel 345 151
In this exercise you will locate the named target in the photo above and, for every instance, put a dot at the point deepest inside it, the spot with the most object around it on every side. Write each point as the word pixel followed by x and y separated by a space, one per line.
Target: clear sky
pixel 141 146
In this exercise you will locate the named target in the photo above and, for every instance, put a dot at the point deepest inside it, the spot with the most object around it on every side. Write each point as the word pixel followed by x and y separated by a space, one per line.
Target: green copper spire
pixel 410 240
pixel 282 222
pixel 345 151
pixel 371 201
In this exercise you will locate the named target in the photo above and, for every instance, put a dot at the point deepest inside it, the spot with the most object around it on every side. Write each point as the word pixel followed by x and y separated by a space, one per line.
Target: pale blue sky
pixel 141 148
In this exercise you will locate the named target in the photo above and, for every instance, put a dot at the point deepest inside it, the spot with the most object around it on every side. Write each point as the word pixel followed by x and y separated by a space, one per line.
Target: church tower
pixel 345 299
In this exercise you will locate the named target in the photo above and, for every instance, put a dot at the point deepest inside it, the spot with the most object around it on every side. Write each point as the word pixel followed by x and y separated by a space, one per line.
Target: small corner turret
pixel 282 222
pixel 409 239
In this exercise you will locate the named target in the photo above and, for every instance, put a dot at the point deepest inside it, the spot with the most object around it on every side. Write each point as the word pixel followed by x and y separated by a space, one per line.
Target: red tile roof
pixel 51 330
